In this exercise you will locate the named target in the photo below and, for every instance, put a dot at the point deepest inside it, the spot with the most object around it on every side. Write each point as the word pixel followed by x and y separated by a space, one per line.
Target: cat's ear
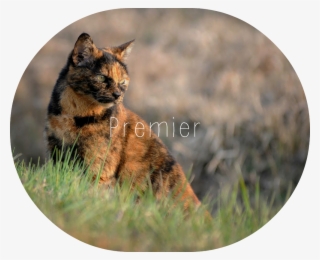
pixel 83 50
pixel 122 51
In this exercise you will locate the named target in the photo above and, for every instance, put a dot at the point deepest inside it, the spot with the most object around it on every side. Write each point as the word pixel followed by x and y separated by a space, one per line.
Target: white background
pixel 292 25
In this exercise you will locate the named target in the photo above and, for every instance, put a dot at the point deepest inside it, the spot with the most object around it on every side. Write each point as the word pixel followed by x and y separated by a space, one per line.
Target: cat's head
pixel 99 74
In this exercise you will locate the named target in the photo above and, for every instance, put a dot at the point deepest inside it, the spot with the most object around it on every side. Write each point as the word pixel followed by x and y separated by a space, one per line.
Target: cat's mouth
pixel 105 100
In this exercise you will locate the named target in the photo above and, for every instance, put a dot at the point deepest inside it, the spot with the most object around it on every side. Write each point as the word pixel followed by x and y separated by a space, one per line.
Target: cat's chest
pixel 87 130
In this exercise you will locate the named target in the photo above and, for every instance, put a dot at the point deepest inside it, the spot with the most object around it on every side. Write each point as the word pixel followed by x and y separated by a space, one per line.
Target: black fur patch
pixel 168 165
pixel 57 147
pixel 54 142
pixel 123 149
pixel 87 120
pixel 161 172
pixel 82 121
pixel 54 107
pixel 112 111
pixel 154 179
pixel 108 58
pixel 165 169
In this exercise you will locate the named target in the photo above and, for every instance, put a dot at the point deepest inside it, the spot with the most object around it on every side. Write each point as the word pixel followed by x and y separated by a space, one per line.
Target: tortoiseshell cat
pixel 86 107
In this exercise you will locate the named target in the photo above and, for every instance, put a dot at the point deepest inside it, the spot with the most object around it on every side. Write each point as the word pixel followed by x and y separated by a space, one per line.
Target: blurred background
pixel 196 66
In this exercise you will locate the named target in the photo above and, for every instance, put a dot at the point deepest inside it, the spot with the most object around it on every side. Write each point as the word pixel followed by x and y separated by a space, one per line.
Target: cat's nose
pixel 116 94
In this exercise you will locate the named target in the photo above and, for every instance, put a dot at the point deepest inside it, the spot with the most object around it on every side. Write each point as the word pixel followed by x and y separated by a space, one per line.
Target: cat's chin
pixel 107 105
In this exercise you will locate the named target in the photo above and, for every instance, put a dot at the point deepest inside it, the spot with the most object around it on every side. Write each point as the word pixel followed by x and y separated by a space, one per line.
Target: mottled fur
pixel 87 94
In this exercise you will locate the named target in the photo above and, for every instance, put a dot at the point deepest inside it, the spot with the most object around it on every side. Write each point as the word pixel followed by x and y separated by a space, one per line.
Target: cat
pixel 86 109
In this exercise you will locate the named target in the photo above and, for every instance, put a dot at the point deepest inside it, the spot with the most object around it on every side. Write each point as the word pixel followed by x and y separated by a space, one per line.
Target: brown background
pixel 196 66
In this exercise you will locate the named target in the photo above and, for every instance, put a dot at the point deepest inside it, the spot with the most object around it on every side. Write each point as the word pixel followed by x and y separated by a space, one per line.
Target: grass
pixel 116 219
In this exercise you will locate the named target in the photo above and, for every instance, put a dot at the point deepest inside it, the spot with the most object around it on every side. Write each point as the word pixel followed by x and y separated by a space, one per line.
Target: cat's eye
pixel 123 82
pixel 100 78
